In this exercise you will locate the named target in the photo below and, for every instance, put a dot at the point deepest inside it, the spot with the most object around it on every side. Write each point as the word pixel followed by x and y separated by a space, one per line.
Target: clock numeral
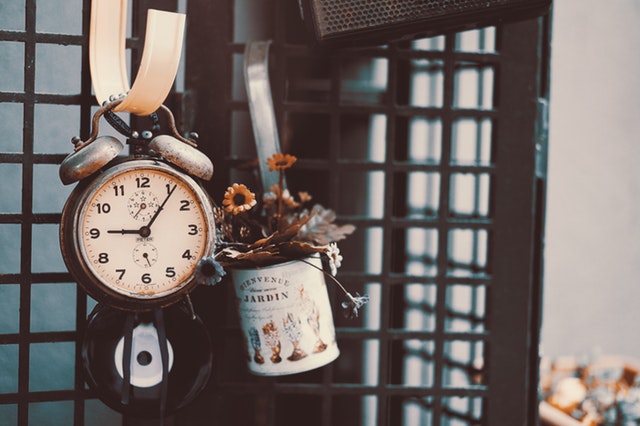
pixel 193 229
pixel 171 272
pixel 146 278
pixel 187 255
pixel 103 258
pixel 121 272
pixel 118 189
pixel 185 205
pixel 103 208
pixel 94 233
pixel 142 182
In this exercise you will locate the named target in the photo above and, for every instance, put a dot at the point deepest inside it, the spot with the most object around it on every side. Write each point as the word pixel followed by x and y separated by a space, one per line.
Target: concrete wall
pixel 592 276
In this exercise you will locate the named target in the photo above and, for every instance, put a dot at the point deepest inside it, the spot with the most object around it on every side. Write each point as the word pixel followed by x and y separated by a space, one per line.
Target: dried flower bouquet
pixel 280 229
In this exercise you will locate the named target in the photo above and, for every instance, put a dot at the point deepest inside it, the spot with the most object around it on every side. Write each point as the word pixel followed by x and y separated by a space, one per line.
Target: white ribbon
pixel 107 60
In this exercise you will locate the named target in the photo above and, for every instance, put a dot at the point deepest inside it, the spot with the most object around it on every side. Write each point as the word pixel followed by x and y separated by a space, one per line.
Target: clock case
pixel 70 244
pixel 96 159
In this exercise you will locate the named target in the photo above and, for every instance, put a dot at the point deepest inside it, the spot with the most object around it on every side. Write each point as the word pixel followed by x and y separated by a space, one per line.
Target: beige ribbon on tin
pixel 107 61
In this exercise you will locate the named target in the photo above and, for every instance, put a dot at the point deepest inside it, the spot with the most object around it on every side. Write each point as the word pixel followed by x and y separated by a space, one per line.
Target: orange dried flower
pixel 280 162
pixel 238 199
pixel 304 196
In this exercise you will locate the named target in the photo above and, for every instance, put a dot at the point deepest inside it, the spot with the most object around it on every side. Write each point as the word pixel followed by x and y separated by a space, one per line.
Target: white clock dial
pixel 141 231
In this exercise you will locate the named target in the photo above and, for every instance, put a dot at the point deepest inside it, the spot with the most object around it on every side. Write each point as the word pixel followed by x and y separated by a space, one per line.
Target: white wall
pixel 592 271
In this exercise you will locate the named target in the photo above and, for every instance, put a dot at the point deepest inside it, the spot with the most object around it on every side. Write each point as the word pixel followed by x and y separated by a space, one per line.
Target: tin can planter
pixel 286 317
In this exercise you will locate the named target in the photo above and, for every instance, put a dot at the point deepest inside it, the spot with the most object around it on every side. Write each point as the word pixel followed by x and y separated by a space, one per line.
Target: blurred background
pixel 592 255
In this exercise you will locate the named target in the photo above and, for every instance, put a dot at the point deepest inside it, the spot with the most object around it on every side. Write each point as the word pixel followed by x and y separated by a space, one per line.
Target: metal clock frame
pixel 75 259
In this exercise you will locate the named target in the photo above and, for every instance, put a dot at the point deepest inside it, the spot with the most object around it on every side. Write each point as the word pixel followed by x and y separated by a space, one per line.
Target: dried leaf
pixel 294 249
pixel 337 233
pixel 278 237
pixel 320 228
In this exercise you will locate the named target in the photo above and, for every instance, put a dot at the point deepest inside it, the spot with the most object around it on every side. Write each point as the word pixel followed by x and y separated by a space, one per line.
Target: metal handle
pixel 263 118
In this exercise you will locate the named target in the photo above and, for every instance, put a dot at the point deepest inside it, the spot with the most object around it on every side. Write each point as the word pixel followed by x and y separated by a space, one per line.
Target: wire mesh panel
pixel 45 99
pixel 433 148
pixel 43 310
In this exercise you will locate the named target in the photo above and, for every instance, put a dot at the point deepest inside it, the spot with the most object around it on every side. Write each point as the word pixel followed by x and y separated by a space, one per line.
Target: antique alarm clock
pixel 135 228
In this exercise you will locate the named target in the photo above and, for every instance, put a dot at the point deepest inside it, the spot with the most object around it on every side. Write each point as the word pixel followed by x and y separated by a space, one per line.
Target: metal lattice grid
pixel 430 148
pixel 45 99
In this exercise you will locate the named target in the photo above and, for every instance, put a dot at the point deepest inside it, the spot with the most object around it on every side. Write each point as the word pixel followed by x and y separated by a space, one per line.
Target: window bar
pixel 374 241
pixel 511 328
pixel 422 91
pixel 443 212
pixel 379 320
pixel 334 139
pixel 478 195
pixel 27 212
pixel 81 298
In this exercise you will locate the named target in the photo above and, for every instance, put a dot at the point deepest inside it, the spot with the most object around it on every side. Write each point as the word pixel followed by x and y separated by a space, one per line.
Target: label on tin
pixel 286 317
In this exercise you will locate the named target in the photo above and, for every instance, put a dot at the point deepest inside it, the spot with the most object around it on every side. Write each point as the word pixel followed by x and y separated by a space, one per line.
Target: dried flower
pixel 275 194
pixel 304 196
pixel 280 162
pixel 350 307
pixel 270 199
pixel 238 199
pixel 209 272
pixel 288 201
pixel 335 259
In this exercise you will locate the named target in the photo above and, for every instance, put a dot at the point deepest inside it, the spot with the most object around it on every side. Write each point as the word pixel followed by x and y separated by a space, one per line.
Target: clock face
pixel 142 230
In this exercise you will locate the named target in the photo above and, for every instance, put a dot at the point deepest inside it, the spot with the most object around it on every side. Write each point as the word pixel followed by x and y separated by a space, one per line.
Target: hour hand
pixel 123 231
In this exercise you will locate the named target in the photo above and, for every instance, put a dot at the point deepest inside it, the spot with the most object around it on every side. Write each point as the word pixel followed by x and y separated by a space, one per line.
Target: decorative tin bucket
pixel 286 317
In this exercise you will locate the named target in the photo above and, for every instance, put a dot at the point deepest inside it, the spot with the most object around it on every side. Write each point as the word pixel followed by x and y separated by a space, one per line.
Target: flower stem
pixel 328 275
pixel 280 199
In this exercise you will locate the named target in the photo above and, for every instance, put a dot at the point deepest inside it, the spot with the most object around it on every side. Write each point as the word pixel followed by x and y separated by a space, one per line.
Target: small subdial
pixel 145 255
pixel 142 205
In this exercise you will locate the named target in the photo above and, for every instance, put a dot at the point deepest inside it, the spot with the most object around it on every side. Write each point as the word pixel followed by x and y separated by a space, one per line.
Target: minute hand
pixel 155 215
